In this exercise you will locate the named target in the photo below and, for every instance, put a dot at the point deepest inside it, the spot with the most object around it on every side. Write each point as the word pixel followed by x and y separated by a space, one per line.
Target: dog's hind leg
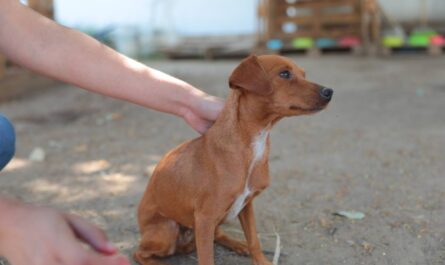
pixel 159 236
pixel 238 246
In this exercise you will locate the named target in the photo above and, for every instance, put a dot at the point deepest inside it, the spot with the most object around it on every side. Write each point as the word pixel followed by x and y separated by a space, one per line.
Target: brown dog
pixel 203 182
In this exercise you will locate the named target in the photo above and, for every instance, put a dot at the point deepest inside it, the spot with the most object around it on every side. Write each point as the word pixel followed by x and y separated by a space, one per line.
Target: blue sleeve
pixel 7 141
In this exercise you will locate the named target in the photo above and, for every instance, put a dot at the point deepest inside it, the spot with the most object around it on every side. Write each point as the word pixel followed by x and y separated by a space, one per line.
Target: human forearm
pixel 73 57
pixel 42 45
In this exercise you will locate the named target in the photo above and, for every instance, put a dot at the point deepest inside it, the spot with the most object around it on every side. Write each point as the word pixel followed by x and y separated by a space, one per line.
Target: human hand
pixel 43 236
pixel 202 111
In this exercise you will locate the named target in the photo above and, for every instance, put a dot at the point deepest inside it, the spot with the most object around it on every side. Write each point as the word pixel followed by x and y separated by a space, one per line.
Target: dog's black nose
pixel 326 93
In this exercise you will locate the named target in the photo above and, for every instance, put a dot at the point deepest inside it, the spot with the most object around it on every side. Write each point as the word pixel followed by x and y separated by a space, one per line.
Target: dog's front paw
pixel 240 247
pixel 261 261
pixel 265 262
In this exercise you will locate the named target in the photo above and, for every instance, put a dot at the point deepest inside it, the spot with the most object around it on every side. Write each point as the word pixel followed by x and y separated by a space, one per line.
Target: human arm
pixel 48 48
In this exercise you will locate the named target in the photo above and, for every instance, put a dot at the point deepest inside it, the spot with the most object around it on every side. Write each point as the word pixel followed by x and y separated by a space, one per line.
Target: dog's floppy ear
pixel 250 75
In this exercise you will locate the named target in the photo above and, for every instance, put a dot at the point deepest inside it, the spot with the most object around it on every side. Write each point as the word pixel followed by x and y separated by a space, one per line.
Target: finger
pixel 97 259
pixel 206 125
pixel 90 234
pixel 195 122
pixel 211 107
pixel 201 125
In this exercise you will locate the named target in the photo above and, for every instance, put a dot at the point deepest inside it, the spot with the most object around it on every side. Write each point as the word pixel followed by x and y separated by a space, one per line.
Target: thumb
pixel 210 107
pixel 202 125
pixel 97 259
pixel 90 234
pixel 197 123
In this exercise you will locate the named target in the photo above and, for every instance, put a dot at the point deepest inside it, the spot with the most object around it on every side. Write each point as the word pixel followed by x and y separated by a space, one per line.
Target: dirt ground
pixel 378 149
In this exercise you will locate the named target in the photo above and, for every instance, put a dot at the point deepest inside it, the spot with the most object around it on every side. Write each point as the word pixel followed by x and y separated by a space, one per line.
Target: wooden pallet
pixel 208 53
pixel 287 20
pixel 214 47
pixel 19 83
pixel 314 51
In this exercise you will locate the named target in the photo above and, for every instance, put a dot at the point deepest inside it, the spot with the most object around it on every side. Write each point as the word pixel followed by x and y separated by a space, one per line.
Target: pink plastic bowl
pixel 349 41
pixel 437 40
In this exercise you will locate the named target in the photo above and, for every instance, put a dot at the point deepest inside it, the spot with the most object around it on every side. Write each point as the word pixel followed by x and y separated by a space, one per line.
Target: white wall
pixel 215 16
pixel 190 17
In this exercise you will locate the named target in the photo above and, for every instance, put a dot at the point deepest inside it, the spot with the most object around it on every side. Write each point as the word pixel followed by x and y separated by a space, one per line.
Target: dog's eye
pixel 285 74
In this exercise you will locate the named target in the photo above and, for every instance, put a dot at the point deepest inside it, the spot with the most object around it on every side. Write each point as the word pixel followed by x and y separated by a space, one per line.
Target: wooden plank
pixel 271 18
pixel 435 50
pixel 321 3
pixel 320 34
pixel 406 49
pixel 337 19
pixel 314 51
pixel 331 10
pixel 19 83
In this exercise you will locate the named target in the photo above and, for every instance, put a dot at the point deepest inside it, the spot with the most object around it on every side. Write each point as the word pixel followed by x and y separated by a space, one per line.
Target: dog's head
pixel 281 83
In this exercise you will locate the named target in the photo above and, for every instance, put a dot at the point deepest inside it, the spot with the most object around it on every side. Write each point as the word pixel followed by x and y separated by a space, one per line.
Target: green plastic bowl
pixel 303 43
pixel 392 41
pixel 421 40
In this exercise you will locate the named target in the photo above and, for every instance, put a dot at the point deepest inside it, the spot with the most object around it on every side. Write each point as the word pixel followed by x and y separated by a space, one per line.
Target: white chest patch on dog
pixel 239 204
pixel 259 147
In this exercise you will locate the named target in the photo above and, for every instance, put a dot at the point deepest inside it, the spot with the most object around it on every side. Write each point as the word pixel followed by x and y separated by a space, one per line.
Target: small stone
pixel 351 214
pixel 368 247
pixel 350 242
pixel 37 155
pixel 325 222
pixel 113 116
